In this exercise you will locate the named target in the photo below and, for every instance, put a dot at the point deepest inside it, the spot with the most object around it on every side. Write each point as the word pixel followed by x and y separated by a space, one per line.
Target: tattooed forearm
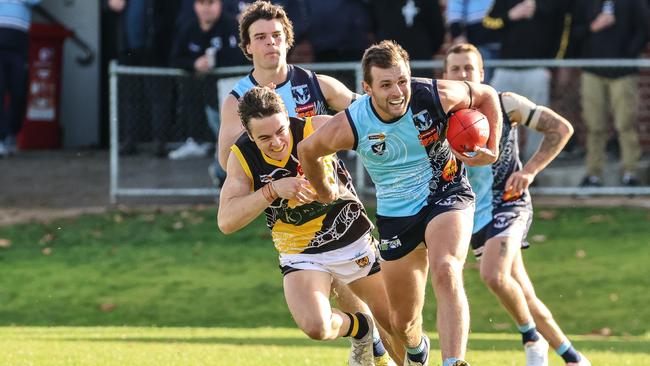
pixel 547 121
pixel 557 131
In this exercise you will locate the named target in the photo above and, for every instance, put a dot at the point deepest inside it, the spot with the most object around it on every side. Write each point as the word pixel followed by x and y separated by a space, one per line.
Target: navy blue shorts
pixel 398 236
pixel 510 222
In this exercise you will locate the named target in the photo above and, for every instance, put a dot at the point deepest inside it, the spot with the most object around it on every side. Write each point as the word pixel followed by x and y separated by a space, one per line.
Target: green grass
pixel 126 346
pixel 176 270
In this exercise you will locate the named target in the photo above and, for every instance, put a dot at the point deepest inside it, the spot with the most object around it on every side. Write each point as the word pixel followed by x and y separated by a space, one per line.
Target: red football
pixel 467 129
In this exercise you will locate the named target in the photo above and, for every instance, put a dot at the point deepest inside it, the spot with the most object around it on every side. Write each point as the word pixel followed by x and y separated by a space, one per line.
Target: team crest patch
pixel 502 219
pixel 300 94
pixel 422 120
pixel 362 262
pixel 448 201
pixel 450 169
pixel 379 148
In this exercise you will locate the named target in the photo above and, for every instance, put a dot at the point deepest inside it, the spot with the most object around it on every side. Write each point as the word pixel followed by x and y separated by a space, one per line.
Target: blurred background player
pixel 423 197
pixel 15 18
pixel 504 211
pixel 317 242
pixel 266 36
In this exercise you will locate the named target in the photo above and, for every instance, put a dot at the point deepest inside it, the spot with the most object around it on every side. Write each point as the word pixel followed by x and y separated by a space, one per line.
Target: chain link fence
pixel 164 121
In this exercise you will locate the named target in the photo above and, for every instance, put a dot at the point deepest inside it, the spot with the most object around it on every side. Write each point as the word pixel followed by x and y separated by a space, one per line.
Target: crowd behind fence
pixel 161 109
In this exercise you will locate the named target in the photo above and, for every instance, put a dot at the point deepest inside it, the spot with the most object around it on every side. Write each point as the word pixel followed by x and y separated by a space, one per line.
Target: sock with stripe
pixel 419 353
pixel 358 326
pixel 528 332
pixel 568 353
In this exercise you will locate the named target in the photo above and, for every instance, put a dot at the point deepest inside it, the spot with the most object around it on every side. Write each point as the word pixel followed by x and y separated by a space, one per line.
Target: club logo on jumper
pixel 422 120
pixel 300 94
pixel 377 136
pixel 217 43
pixel 379 148
pixel 429 137
pixel 448 201
pixel 450 169
pixel 388 244
pixel 275 175
pixel 362 262
pixel 502 219
pixel 307 110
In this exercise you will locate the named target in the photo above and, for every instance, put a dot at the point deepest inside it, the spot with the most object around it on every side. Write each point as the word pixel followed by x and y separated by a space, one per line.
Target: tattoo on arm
pixel 549 125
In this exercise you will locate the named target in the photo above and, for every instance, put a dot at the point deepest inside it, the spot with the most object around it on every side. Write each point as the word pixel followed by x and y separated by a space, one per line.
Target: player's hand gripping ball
pixel 467 130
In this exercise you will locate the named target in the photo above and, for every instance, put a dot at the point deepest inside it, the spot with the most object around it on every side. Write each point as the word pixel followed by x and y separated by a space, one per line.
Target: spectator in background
pixel 146 33
pixel 339 30
pixel 15 18
pixel 611 29
pixel 204 41
pixel 520 23
pixel 417 25
pixel 465 20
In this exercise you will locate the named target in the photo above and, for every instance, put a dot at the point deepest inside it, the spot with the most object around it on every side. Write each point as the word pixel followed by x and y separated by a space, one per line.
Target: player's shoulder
pixel 419 82
pixel 513 101
pixel 243 140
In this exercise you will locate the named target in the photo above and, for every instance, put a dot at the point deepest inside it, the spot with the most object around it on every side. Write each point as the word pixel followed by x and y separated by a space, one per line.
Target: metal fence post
pixel 114 132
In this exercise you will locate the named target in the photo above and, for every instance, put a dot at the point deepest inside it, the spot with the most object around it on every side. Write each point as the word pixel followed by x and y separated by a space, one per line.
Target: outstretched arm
pixel 333 136
pixel 556 132
pixel 230 129
pixel 455 95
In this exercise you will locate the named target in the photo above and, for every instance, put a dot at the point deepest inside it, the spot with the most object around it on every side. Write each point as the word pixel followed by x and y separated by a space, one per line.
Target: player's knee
pixel 404 323
pixel 494 280
pixel 446 271
pixel 316 329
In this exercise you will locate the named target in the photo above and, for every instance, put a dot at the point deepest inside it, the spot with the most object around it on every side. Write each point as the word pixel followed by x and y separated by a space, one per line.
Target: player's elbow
pixel 566 128
pixel 304 149
pixel 226 225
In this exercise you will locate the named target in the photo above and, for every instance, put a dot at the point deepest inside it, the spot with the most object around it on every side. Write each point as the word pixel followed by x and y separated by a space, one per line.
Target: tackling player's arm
pixel 230 129
pixel 333 136
pixel 556 132
pixel 455 95
pixel 337 95
pixel 238 204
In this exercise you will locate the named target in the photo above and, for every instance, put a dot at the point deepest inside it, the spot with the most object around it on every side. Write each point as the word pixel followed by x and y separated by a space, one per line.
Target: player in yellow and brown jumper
pixel 317 242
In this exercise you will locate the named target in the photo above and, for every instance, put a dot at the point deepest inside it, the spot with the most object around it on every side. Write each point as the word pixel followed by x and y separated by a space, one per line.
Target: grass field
pixel 129 288
pixel 129 346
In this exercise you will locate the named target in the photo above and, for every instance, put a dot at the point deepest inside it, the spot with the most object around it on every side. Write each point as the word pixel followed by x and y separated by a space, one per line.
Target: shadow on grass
pixel 617 345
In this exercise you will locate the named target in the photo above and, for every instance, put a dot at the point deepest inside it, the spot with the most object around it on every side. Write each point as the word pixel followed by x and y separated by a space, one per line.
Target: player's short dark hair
pixel 463 48
pixel 259 102
pixel 384 55
pixel 267 11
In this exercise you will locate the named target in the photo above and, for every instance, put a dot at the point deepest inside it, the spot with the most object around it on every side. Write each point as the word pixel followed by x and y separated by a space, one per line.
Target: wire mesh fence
pixel 164 123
